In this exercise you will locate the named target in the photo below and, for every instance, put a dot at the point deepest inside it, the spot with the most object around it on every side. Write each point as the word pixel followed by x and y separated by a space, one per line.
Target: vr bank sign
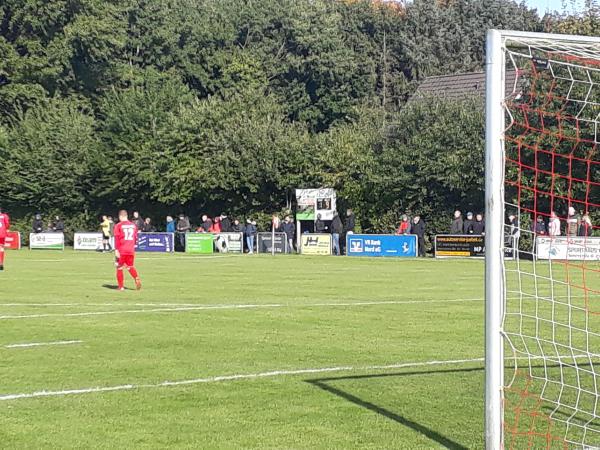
pixel 382 245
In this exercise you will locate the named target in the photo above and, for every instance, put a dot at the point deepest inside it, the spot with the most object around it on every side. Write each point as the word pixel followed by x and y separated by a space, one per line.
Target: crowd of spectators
pixel 55 225
pixel 575 225
pixel 472 224
pixel 469 225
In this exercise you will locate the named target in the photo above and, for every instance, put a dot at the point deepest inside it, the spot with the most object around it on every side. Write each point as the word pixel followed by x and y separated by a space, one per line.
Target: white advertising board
pixel 568 248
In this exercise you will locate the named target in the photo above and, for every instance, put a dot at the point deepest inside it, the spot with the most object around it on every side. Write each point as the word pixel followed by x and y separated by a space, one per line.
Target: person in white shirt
pixel 554 225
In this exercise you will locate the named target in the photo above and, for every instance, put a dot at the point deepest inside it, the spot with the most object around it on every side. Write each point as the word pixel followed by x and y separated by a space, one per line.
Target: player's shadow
pixel 113 287
pixel 323 383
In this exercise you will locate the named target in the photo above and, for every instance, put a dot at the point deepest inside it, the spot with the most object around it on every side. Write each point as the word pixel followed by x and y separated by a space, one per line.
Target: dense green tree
pixel 210 105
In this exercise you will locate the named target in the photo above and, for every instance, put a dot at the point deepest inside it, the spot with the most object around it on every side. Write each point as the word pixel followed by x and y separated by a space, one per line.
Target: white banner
pixel 229 242
pixel 87 241
pixel 568 248
pixel 47 241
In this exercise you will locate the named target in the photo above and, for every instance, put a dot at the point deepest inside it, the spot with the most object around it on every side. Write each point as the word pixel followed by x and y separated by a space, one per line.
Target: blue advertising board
pixel 155 242
pixel 404 246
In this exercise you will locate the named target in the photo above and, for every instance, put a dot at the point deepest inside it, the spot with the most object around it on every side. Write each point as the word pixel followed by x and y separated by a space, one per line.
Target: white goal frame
pixel 495 211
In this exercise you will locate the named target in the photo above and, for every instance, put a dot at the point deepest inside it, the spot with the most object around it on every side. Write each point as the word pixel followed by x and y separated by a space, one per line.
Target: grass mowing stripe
pixel 235 377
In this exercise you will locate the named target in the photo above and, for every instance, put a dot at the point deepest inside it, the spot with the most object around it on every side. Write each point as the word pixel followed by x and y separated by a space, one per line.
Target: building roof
pixel 458 85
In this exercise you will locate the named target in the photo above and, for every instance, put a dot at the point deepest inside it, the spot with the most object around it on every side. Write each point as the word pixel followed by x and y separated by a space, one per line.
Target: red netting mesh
pixel 552 192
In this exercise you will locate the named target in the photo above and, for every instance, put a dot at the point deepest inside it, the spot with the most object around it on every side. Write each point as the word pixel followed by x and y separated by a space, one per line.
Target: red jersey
pixel 404 228
pixel 126 234
pixel 4 224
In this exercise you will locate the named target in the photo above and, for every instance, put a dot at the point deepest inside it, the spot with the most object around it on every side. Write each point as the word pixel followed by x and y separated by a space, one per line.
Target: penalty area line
pixel 42 344
pixel 190 308
pixel 234 377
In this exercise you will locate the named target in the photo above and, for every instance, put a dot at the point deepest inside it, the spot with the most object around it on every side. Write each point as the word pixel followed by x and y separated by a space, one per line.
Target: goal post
pixel 542 168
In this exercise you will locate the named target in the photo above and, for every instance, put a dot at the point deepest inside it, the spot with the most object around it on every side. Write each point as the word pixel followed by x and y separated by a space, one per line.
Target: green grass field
pixel 280 353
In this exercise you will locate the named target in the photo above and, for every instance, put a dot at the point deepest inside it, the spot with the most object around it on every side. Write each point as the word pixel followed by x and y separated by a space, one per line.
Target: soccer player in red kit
pixel 126 234
pixel 4 226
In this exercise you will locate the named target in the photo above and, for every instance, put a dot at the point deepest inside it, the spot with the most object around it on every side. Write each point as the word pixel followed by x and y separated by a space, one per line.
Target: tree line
pixel 229 105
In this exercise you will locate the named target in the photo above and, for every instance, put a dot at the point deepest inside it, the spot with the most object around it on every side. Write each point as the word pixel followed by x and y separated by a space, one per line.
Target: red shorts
pixel 2 240
pixel 126 260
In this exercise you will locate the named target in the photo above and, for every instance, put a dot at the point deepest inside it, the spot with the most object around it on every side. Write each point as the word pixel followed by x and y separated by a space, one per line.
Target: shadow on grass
pixel 114 287
pixel 323 383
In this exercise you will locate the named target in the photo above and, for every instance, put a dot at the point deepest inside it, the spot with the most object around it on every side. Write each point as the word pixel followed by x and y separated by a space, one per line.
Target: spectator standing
pixel 183 227
pixel 275 223
pixel 573 221
pixel 170 228
pixel 58 226
pixel 514 233
pixel 585 226
pixel 225 223
pixel 206 224
pixel 337 228
pixel 38 225
pixel 457 225
pixel 289 228
pixel 105 229
pixel 540 227
pixel 216 226
pixel 137 220
pixel 418 228
pixel 405 225
pixel 320 226
pixel 479 225
pixel 147 226
pixel 468 224
pixel 554 225
pixel 237 227
pixel 350 222
pixel 111 226
pixel 250 233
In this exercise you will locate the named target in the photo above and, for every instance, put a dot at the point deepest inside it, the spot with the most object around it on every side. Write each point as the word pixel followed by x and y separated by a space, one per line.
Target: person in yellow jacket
pixel 105 228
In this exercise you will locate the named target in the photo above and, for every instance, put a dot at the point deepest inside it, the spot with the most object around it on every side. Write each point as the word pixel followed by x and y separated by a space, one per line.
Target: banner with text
pixel 87 241
pixel 459 246
pixel 13 240
pixel 199 243
pixel 156 242
pixel 404 246
pixel 315 244
pixel 568 248
pixel 47 241
pixel 265 243
pixel 229 242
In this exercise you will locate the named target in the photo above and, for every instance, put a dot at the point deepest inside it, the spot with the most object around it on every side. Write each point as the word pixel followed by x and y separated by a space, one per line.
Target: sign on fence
pixel 265 243
pixel 404 246
pixel 47 241
pixel 13 240
pixel 315 244
pixel 568 248
pixel 229 242
pixel 459 246
pixel 199 243
pixel 156 242
pixel 87 241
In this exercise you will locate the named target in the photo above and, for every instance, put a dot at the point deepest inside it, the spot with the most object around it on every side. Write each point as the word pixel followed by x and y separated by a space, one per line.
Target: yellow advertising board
pixel 316 244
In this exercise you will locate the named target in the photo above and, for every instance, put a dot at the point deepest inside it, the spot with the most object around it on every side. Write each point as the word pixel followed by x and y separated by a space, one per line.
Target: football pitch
pixel 228 352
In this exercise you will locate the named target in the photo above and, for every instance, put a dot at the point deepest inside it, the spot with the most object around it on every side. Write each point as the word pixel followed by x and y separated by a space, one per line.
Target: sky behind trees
pixel 554 5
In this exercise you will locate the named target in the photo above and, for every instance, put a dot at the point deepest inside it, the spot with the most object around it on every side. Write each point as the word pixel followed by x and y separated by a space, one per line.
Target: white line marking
pixel 42 344
pixel 216 379
pixel 138 311
pixel 239 306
